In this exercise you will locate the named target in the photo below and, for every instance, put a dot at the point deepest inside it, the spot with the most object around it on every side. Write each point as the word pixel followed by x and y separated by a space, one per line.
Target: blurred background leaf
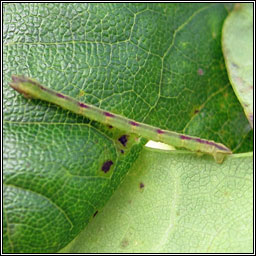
pixel 237 44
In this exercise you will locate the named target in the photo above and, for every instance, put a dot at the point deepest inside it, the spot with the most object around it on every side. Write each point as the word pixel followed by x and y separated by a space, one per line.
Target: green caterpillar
pixel 32 89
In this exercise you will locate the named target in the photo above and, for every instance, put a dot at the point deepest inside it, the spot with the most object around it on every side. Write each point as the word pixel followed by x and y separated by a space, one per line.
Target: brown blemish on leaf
pixel 123 139
pixel 234 65
pixel 124 243
pixel 81 93
pixel 106 166
pixel 226 193
pixel 225 95
pixel 237 7
pixel 195 110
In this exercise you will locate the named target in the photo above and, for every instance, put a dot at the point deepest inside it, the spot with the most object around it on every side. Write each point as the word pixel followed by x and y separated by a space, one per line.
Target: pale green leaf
pixel 237 44
pixel 176 203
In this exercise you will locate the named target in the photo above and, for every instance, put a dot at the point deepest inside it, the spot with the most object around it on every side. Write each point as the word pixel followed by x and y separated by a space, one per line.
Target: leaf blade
pixel 237 43
pixel 191 204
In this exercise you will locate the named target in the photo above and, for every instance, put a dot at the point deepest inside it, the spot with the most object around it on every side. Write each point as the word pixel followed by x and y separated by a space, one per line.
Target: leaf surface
pixel 237 44
pixel 176 203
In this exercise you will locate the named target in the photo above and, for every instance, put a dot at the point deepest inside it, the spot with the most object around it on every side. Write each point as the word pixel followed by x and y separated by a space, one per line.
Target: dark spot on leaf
pixel 226 193
pixel 95 214
pixel 106 166
pixel 124 243
pixel 142 185
pixel 234 65
pixel 123 139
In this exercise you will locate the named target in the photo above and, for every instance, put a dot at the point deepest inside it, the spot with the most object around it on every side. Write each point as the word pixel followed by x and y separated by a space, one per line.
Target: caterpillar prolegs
pixel 32 89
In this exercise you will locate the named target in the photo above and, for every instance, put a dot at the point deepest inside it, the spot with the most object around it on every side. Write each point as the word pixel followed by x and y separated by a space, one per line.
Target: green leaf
pixel 176 203
pixel 237 44
pixel 54 183
pixel 156 63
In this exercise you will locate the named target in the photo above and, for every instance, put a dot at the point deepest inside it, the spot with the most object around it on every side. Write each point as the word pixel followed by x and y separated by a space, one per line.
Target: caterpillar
pixel 30 88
